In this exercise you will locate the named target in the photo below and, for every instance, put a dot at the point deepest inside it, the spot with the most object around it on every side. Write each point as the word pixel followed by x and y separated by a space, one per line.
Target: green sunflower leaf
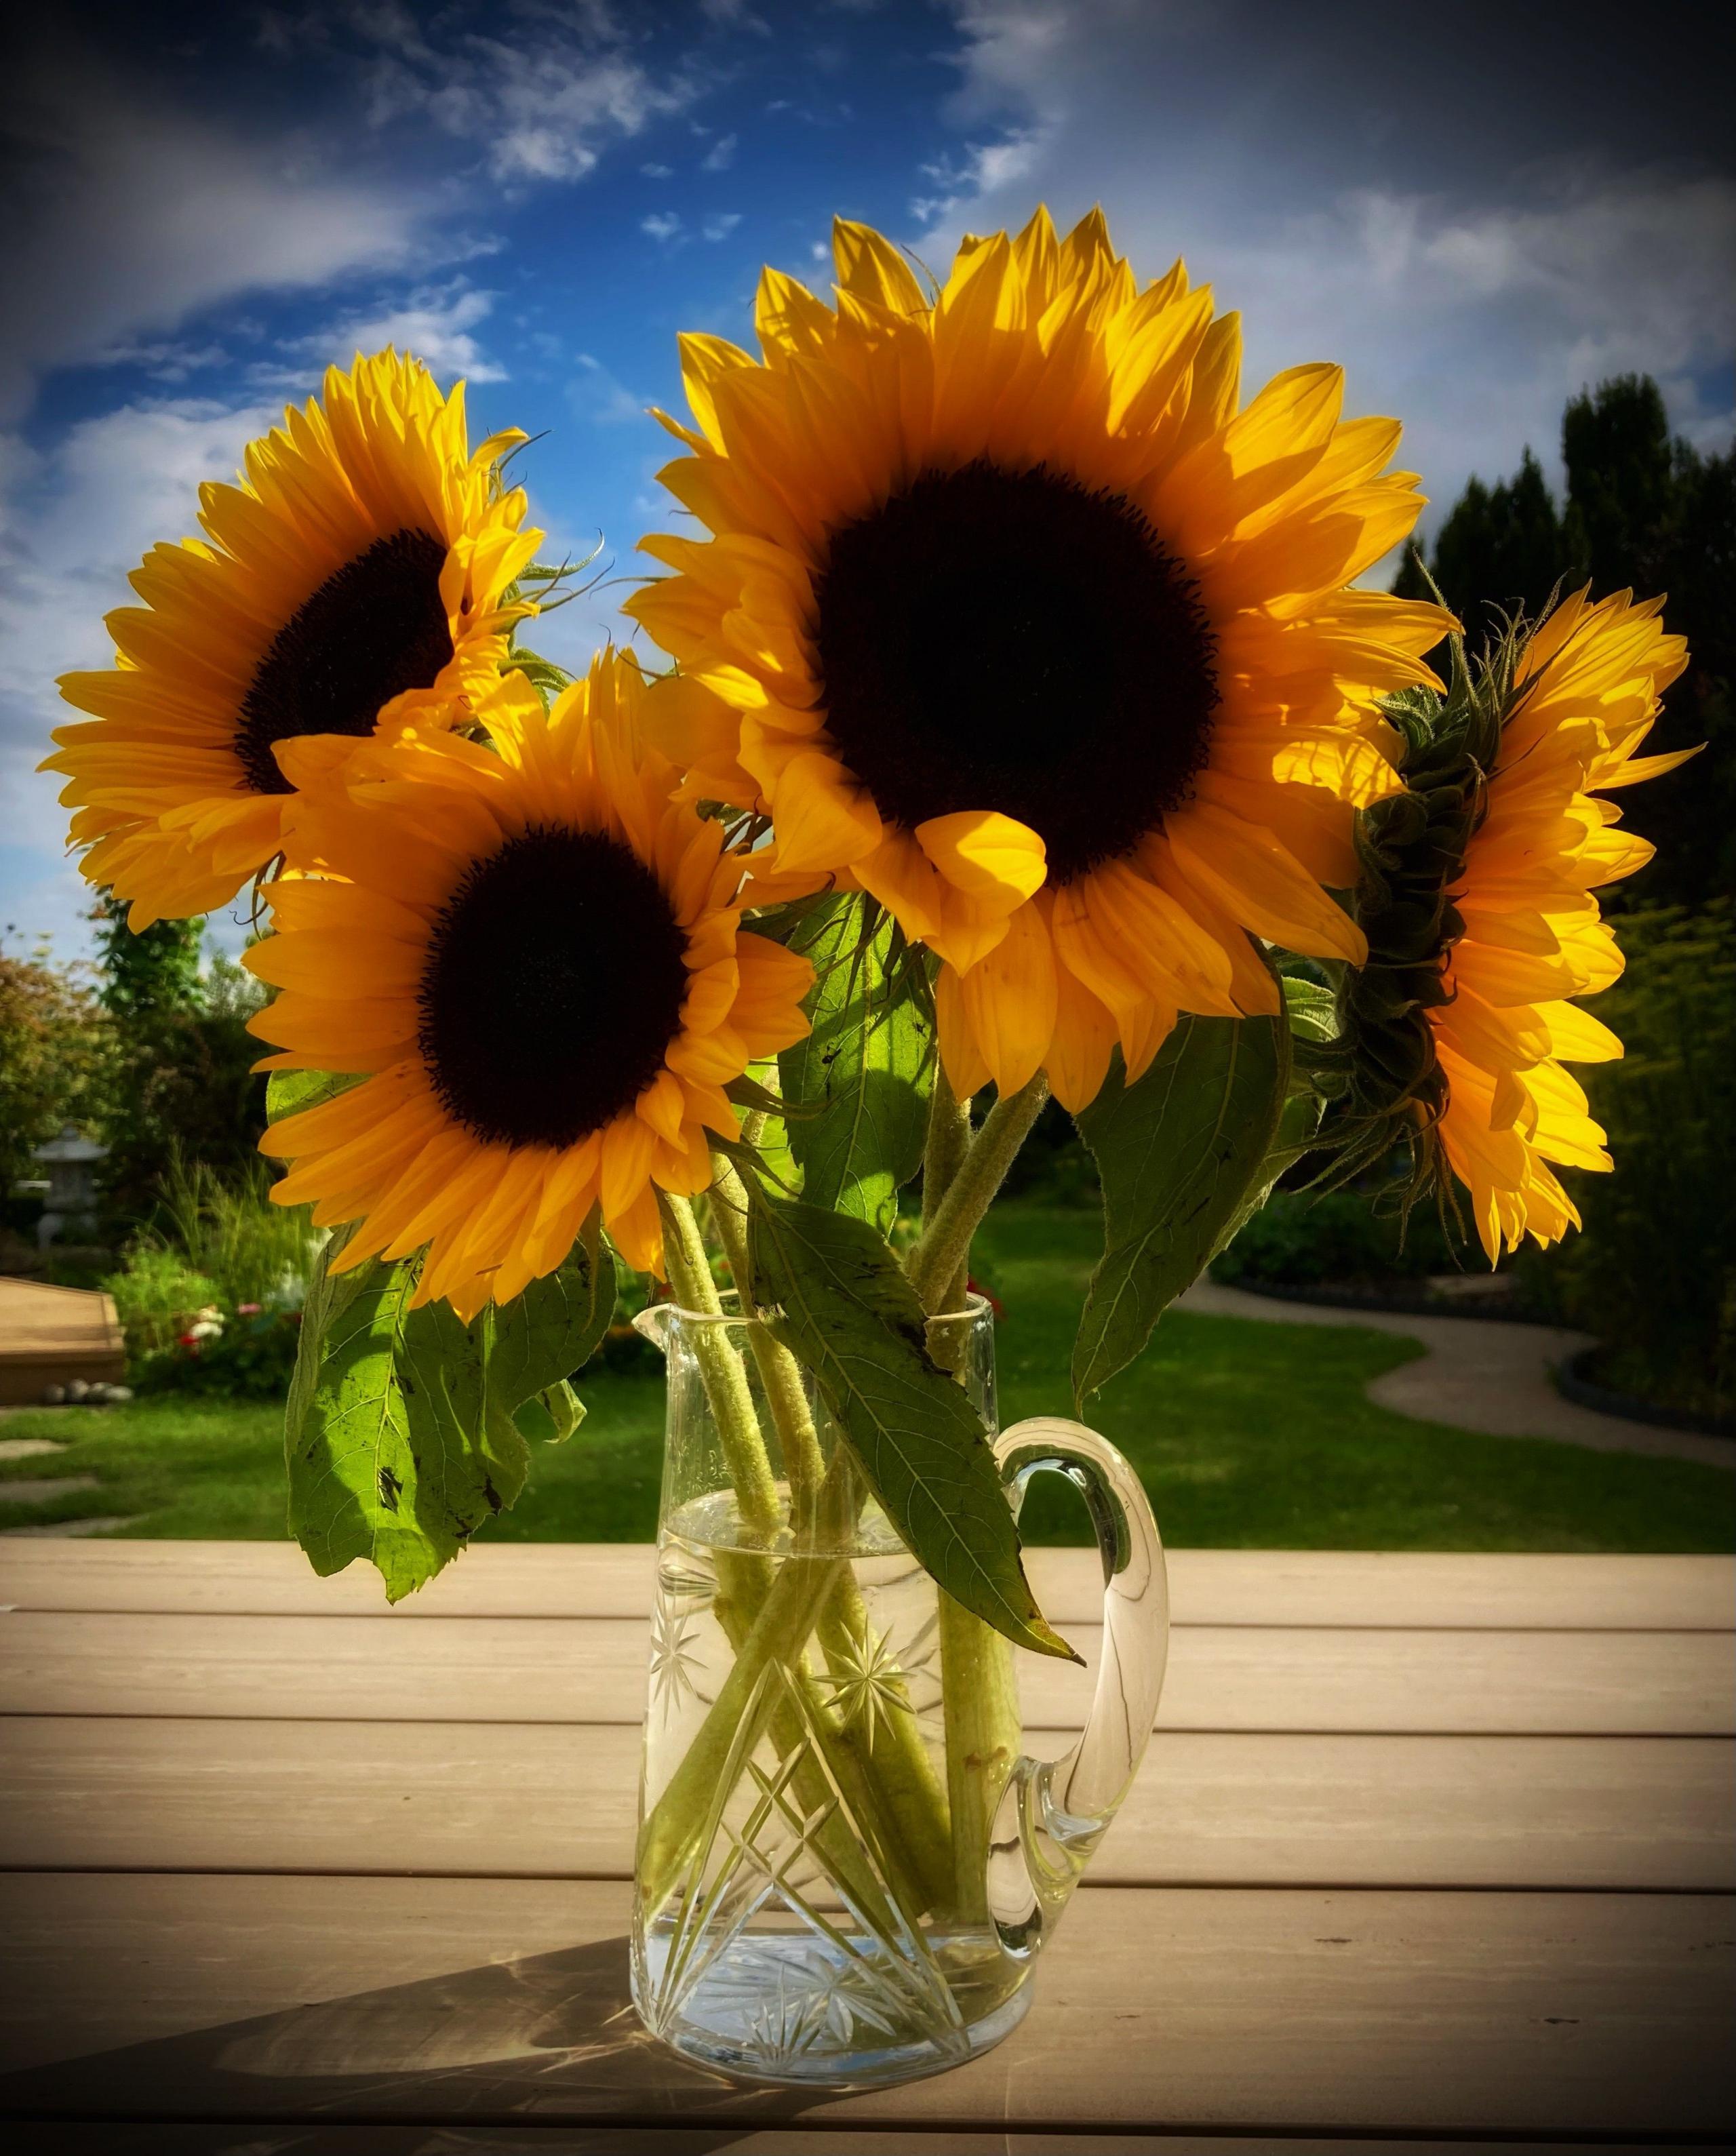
pixel 355 1481
pixel 552 1416
pixel 835 1296
pixel 1177 1152
pixel 472 1455
pixel 554 1327
pixel 864 1072
pixel 401 1432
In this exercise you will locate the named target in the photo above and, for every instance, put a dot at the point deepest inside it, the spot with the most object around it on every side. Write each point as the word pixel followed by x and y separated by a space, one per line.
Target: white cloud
pixel 596 396
pixel 720 228
pixel 1471 298
pixel 658 171
pixel 435 322
pixel 735 15
pixel 74 522
pixel 664 226
pixel 131 217
pixel 985 168
pixel 163 359
pixel 721 155
pixel 543 109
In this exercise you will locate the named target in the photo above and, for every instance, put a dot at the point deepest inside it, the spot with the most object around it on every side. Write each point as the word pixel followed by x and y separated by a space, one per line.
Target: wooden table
pixel 1427 1848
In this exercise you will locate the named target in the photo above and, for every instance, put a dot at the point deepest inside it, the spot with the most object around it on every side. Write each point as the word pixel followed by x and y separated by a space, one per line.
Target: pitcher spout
pixel 653 1324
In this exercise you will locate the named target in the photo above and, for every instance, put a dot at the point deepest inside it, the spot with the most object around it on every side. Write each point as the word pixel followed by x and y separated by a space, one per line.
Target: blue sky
pixel 1477 211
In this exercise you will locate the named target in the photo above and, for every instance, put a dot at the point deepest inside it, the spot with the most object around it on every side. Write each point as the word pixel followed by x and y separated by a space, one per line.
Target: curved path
pixel 1478 1374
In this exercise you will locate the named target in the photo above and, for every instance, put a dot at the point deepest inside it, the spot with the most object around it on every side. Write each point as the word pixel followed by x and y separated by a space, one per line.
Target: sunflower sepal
pixel 747 1093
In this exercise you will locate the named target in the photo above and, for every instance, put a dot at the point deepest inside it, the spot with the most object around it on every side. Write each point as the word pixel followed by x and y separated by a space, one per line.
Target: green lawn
pixel 1247 1434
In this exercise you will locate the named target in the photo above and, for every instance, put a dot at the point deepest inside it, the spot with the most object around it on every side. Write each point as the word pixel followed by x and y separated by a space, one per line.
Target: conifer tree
pixel 1643 512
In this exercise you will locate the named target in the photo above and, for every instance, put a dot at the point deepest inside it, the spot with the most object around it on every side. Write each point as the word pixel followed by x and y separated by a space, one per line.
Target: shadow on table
pixel 554 2037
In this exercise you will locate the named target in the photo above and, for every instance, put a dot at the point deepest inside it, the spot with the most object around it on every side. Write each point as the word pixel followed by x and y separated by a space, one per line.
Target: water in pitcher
pixel 807 1913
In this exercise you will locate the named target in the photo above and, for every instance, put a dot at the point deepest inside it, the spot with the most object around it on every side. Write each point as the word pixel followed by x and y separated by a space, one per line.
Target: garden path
pixel 43 1493
pixel 1476 1373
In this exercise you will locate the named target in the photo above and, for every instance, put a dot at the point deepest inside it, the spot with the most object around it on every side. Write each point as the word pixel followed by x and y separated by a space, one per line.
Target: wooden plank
pixel 472 2001
pixel 1501 1591
pixel 426 1798
pixel 253 2139
pixel 534 1668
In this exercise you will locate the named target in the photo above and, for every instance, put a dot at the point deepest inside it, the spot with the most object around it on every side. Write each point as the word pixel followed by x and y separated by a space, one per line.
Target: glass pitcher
pixel 846 1862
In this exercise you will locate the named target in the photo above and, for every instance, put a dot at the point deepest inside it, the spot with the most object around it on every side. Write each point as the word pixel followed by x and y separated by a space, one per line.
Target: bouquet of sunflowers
pixel 1026 735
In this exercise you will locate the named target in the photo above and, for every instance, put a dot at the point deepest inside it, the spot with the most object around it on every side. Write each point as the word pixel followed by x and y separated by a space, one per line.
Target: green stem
pixel 721 1370
pixel 776 1634
pixel 979 1692
pixel 823 1506
pixel 779 1372
pixel 980 1695
pixel 945 1247
pixel 786 1605
pixel 948 1142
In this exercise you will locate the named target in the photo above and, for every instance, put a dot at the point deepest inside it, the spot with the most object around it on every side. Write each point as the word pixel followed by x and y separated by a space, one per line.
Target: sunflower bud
pixel 1410 848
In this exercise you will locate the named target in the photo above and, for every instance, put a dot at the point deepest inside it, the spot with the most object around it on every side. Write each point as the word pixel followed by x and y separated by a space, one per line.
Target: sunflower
pixel 533 957
pixel 362 563
pixel 1481 915
pixel 1015 618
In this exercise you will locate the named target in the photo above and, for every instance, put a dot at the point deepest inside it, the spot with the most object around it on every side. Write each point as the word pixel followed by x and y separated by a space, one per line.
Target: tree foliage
pixel 53 1053
pixel 1654 1275
pixel 150 973
pixel 185 1088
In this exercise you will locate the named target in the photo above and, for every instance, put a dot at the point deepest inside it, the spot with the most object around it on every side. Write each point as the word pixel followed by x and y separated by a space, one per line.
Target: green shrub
pixel 210 1298
pixel 241 1355
pixel 1300 1238
pixel 228 1227
pixel 1654 1273
pixel 157 1296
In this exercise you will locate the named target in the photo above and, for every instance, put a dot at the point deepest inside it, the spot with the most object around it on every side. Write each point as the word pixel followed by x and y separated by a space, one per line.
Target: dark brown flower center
pixel 553 986
pixel 1011 640
pixel 374 629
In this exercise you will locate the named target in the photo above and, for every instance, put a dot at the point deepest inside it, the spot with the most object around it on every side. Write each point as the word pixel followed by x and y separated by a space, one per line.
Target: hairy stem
pixel 823 1506
pixel 779 1372
pixel 979 1690
pixel 948 1142
pixel 945 1247
pixel 980 1693
pixel 720 1369
pixel 767 1613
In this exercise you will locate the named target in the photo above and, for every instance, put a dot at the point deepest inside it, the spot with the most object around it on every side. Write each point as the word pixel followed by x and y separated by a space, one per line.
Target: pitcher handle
pixel 1053 1813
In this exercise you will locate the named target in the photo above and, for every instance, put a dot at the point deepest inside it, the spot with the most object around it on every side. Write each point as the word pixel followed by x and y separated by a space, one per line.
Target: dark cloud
pixel 1476 209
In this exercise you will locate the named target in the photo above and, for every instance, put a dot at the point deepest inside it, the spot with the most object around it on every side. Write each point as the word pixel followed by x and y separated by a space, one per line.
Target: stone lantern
pixel 71 1164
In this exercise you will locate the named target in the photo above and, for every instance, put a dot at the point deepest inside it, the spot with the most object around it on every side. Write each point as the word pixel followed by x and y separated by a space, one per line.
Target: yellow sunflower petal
pixel 245 674
pixel 1010 589
pixel 588 922
pixel 1009 999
